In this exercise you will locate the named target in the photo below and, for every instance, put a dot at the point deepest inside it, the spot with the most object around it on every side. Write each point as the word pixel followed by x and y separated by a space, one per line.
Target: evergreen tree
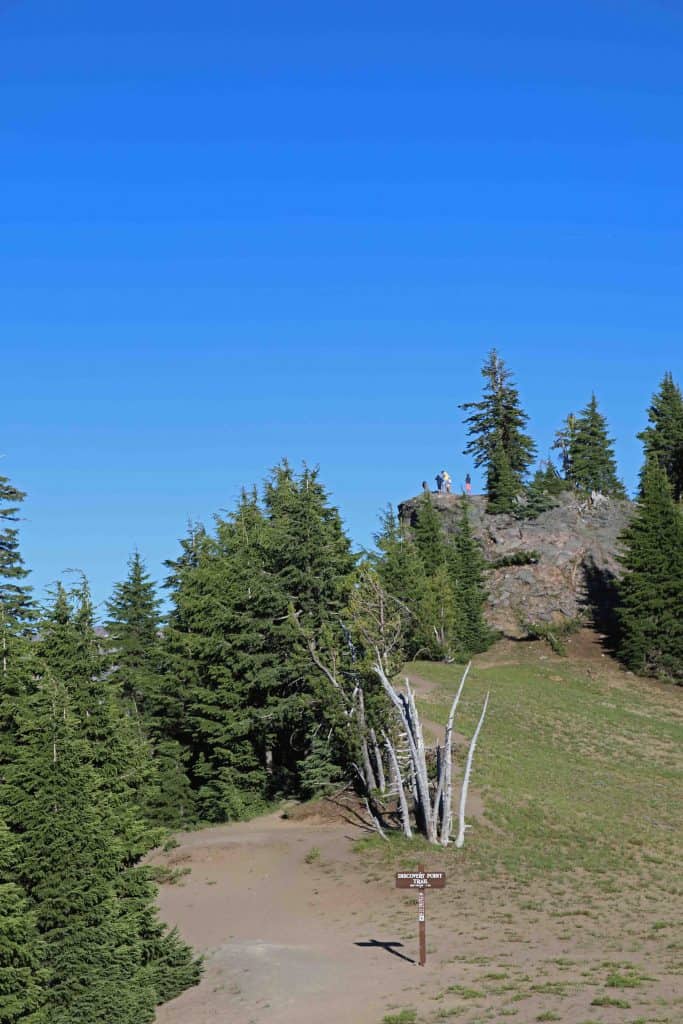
pixel 68 863
pixel 663 439
pixel 309 561
pixel 468 568
pixel 428 535
pixel 591 460
pixel 651 591
pixel 22 977
pixel 133 634
pixel 133 628
pixel 565 443
pixel 402 574
pixel 502 486
pixel 16 603
pixel 212 643
pixel 498 422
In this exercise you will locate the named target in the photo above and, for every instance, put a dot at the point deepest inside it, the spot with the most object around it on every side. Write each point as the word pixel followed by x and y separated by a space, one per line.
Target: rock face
pixel 570 556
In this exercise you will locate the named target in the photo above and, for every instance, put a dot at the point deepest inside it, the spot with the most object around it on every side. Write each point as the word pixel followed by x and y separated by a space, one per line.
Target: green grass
pixel 574 774
pixel 406 1016
pixel 610 1001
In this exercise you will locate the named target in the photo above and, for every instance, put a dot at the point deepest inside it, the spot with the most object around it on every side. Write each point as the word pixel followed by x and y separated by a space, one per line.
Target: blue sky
pixel 233 232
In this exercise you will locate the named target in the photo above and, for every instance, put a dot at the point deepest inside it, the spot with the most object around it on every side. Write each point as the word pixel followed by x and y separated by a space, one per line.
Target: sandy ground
pixel 296 928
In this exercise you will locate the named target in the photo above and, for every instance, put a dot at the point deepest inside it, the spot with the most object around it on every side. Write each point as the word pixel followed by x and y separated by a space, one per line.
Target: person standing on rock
pixel 468 484
pixel 439 482
pixel 447 481
pixel 425 487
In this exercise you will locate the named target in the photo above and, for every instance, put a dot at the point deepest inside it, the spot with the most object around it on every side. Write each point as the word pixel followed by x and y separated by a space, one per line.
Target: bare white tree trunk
pixel 444 789
pixel 466 778
pixel 402 802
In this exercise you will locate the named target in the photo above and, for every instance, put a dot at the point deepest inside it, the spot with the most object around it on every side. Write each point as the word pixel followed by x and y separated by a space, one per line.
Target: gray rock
pixel 577 546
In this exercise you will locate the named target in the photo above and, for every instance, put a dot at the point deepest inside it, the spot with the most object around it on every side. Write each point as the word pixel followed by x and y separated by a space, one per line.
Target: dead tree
pixel 378 620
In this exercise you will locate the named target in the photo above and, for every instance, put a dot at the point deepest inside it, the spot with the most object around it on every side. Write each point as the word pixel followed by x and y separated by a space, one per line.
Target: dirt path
pixel 279 912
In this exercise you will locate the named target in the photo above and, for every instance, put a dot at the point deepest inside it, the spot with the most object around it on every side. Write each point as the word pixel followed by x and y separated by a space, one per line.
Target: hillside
pixel 562 906
pixel 567 558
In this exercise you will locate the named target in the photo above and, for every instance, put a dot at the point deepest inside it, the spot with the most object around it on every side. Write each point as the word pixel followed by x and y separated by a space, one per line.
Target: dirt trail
pixel 280 933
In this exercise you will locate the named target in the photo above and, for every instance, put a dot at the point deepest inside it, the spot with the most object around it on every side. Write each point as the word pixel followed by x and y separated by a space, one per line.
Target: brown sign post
pixel 421 880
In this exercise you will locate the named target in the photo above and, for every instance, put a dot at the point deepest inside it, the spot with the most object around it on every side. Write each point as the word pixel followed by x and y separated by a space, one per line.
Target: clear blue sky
pixel 235 231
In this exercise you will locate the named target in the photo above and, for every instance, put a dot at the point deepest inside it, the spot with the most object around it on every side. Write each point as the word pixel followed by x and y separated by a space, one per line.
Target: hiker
pixel 439 482
pixel 425 487
pixel 447 481
pixel 468 484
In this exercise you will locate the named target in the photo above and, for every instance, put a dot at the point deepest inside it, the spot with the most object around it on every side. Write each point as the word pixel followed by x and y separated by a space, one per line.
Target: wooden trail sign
pixel 421 880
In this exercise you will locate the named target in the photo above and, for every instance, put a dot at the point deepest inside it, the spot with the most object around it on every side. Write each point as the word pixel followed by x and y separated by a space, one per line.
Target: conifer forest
pixel 255 671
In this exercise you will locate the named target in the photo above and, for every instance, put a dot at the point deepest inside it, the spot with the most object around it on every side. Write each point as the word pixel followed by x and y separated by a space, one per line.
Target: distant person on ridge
pixel 468 484
pixel 447 481
pixel 425 487
pixel 439 482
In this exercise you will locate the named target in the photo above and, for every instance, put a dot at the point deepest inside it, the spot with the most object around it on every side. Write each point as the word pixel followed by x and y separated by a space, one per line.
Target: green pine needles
pixel 651 591
pixel 439 579
pixel 498 438
pixel 587 453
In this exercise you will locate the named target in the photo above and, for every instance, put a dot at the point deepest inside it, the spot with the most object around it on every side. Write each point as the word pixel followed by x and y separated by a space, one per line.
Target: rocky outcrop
pixel 566 558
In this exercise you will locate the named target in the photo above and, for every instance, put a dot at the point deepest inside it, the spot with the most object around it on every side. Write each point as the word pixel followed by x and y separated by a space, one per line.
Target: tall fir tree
pixel 497 429
pixel 651 591
pixel 308 557
pixel 663 438
pixel 17 608
pixel 68 864
pixel 402 574
pixel 565 443
pixel 428 535
pixel 591 461
pixel 502 485
pixel 22 975
pixel 468 569
pixel 135 649
pixel 213 652
pixel 133 635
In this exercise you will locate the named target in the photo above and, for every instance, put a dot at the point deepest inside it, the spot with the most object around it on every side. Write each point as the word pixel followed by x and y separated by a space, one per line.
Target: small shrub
pixel 548 1015
pixel 402 1017
pixel 555 634
pixel 313 855
pixel 523 557
pixel 609 1001
pixel 616 980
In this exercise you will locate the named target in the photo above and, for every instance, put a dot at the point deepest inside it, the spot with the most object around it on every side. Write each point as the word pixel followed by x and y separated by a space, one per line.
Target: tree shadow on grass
pixel 601 599
pixel 390 947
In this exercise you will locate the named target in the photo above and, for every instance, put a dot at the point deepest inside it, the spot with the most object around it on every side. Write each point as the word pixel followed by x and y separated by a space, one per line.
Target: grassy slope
pixel 575 881
pixel 577 769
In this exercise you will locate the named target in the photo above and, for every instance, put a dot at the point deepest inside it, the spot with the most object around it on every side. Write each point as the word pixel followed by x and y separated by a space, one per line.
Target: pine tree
pixel 498 421
pixel 651 591
pixel 468 569
pixel 402 574
pixel 133 628
pixel 663 439
pixel 502 485
pixel 213 642
pixel 591 455
pixel 309 560
pixel 22 977
pixel 428 535
pixel 68 863
pixel 134 646
pixel 565 443
pixel 16 603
